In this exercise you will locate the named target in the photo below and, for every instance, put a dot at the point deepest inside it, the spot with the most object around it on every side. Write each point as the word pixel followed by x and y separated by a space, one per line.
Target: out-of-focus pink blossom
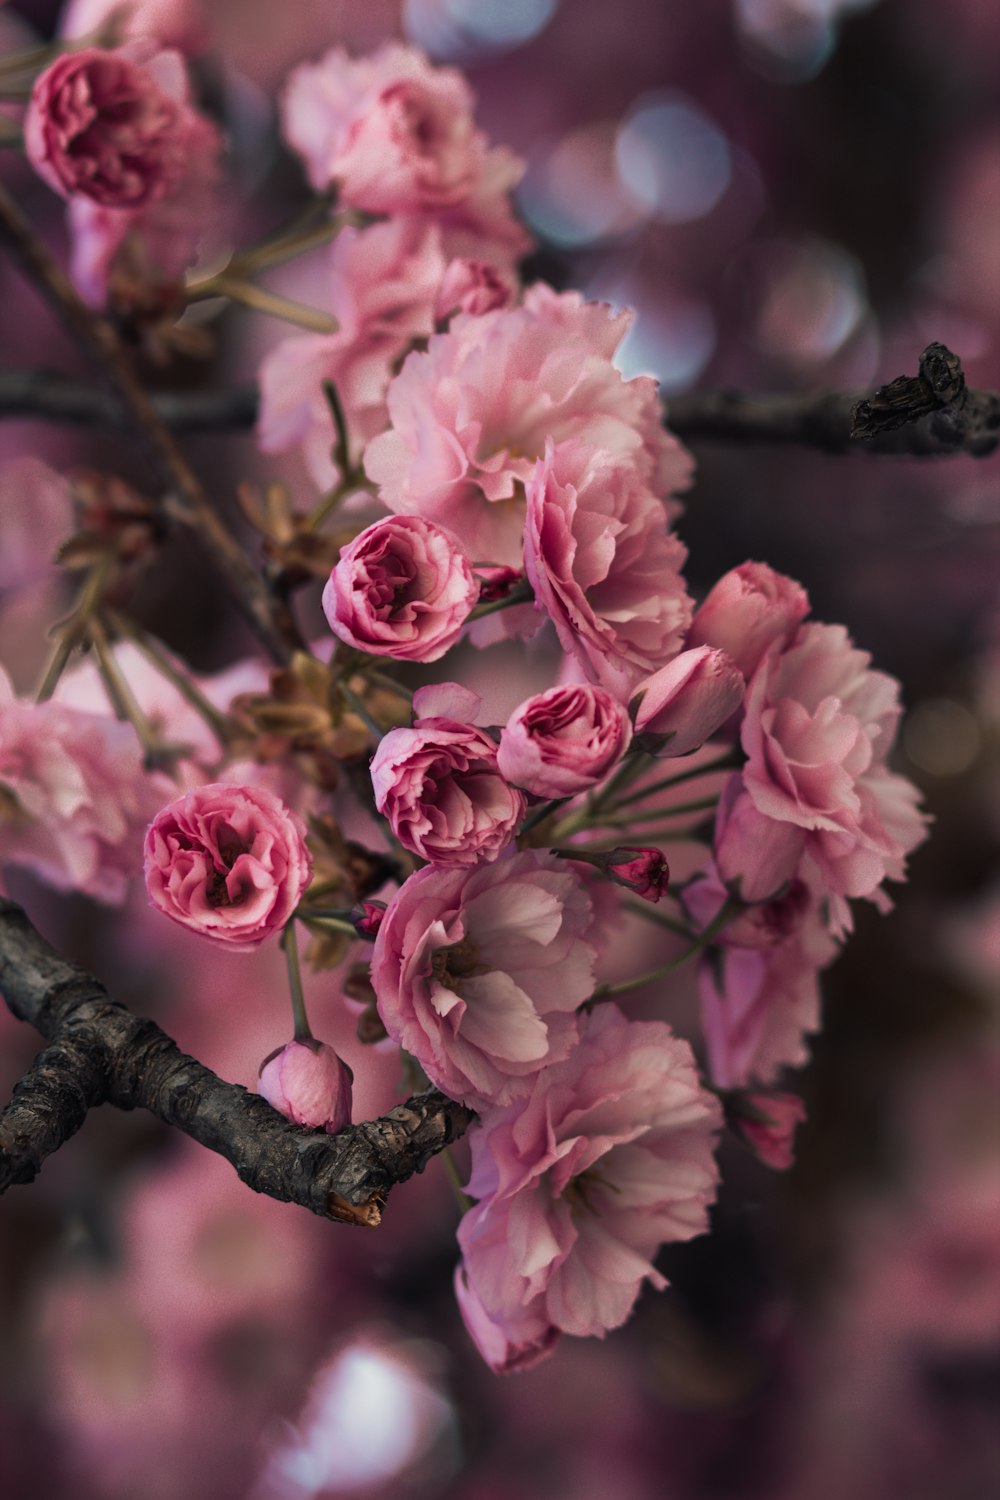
pixel 228 862
pixel 173 23
pixel 111 126
pixel 308 1082
pixel 396 136
pixel 608 1156
pixel 756 856
pixel 471 416
pixel 402 589
pixel 73 796
pixel 471 286
pixel 36 513
pixel 441 789
pixel 686 701
pixel 563 741
pixel 603 565
pixel 761 925
pixel 817 730
pixel 384 281
pixel 767 1123
pixel 478 972
pixel 748 611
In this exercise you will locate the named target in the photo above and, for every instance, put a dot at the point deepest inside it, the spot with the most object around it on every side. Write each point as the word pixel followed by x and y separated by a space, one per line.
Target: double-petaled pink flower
pixel 441 789
pixel 478 973
pixel 606 1158
pixel 563 741
pixel 403 589
pixel 228 862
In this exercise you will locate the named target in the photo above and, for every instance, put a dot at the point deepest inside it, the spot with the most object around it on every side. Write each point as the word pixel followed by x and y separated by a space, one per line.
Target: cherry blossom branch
pixel 189 503
pixel 100 1053
pixel 931 414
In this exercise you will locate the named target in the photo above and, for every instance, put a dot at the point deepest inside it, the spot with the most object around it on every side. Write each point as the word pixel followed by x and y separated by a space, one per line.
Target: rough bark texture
pixel 100 1052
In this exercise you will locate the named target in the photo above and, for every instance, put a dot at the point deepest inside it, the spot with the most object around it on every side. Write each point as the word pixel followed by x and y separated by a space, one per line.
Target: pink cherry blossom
pixel 173 23
pixel 403 589
pixel 74 796
pixel 384 280
pixel 563 741
pixel 471 286
pixel 441 789
pixel 478 972
pixel 309 1083
pixel 688 700
pixel 609 1156
pixel 603 565
pixel 471 416
pixel 818 728
pixel 111 126
pixel 228 862
pixel 396 136
pixel 749 610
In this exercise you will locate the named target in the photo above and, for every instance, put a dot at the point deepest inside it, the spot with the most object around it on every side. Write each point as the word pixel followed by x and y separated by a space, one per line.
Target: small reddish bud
pixel 367 918
pixel 644 871
pixel 496 582
pixel 307 1082
pixel 766 1123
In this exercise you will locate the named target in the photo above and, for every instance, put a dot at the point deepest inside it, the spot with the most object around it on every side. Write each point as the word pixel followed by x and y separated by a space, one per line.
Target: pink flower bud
pixel 403 589
pixel 229 862
pixel 497 582
pixel 747 611
pixel 308 1082
pixel 644 871
pixel 563 741
pixel 685 702
pixel 767 1124
pixel 471 286
pixel 367 917
pixel 101 126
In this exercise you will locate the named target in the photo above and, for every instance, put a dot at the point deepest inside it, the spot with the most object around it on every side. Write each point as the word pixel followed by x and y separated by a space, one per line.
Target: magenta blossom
pixel 228 862
pixel 402 589
pixel 603 565
pixel 564 741
pixel 766 1122
pixel 106 126
pixel 478 972
pixel 579 1182
pixel 687 701
pixel 441 789
pixel 308 1082
pixel 471 418
pixel 749 610
pixel 643 870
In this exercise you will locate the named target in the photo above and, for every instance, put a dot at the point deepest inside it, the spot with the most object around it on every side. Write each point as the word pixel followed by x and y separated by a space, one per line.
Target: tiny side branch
pixel 932 414
pixel 99 1052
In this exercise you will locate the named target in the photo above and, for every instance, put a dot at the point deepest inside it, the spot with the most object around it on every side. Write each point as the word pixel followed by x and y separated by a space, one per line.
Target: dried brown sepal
pixel 113 522
pixel 295 551
pixel 367 1215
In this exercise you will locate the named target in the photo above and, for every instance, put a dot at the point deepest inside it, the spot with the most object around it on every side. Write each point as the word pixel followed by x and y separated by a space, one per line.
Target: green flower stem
pixel 651 913
pixel 723 917
pixel 727 762
pixel 72 629
pixel 352 700
pixel 289 943
pixel 631 820
pixel 521 594
pixel 155 653
pixel 455 1179
pixel 389 684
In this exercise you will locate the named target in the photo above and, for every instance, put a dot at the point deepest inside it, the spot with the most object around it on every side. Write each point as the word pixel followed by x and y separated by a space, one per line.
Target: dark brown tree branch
pixel 189 503
pixel 100 1052
pixel 52 397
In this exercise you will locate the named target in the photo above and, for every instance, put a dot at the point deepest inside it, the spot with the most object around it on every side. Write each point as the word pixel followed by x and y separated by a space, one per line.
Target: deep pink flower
pixel 441 789
pixel 229 862
pixel 103 125
pixel 762 924
pixel 563 741
pixel 403 589
pixel 471 417
pixel 478 972
pixel 603 565
pixel 817 730
pixel 685 702
pixel 308 1082
pixel 578 1182
pixel 367 918
pixel 74 795
pixel 397 137
pixel 767 1123
pixel 383 284
pixel 748 611
pixel 642 870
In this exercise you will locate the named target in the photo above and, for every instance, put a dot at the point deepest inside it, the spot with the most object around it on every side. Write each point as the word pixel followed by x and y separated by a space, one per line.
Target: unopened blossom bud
pixel 767 1123
pixel 496 582
pixel 748 610
pixel 367 918
pixel 642 870
pixel 308 1082
pixel 688 700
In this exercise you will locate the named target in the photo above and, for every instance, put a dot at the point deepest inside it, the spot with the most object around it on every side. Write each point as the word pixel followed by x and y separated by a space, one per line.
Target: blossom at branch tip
pixel 228 862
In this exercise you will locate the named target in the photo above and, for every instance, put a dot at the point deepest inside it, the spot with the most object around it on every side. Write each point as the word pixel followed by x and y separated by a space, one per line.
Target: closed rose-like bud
pixel 229 862
pixel 403 589
pixel 471 286
pixel 747 611
pixel 685 702
pixel 367 918
pixel 642 870
pixel 308 1082
pixel 767 1124
pixel 101 126
pixel 563 741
